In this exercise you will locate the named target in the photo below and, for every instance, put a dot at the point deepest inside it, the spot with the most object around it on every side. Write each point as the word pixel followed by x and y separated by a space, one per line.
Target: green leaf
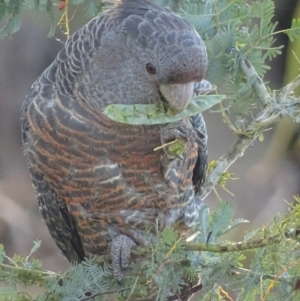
pixel 294 32
pixel 6 292
pixel 203 224
pixel 169 236
pixel 53 22
pixel 234 224
pixel 221 219
pixel 251 234
pixel 178 147
pixel 37 244
pixel 149 114
pixel 2 253
pixel 11 26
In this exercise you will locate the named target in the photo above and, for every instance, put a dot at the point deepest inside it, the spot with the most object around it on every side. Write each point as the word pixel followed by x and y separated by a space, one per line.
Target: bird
pixel 99 183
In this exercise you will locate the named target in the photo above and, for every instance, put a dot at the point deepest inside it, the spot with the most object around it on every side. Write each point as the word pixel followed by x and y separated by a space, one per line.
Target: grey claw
pixel 120 254
pixel 204 87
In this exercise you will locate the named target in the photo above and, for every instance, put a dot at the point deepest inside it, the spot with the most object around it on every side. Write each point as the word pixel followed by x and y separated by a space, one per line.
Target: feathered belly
pixel 109 175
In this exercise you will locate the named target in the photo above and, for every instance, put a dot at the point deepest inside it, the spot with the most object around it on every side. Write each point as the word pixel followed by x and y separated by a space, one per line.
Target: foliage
pixel 240 38
pixel 227 26
pixel 169 265
pixel 10 12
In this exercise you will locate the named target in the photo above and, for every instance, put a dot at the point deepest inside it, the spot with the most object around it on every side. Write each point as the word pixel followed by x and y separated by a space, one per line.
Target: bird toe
pixel 120 254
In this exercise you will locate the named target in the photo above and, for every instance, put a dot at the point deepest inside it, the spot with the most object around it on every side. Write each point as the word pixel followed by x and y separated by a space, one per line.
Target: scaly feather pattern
pixel 97 180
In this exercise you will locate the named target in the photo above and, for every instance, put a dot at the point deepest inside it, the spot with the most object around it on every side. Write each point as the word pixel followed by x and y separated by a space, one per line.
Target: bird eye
pixel 150 68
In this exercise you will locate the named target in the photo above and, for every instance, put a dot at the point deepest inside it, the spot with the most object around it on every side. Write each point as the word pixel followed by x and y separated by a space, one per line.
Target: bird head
pixel 143 53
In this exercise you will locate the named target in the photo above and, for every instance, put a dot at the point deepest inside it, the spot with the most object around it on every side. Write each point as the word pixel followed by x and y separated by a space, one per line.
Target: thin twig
pixel 138 251
pixel 243 246
pixel 187 293
pixel 105 293
pixel 275 107
pixel 165 145
pixel 133 288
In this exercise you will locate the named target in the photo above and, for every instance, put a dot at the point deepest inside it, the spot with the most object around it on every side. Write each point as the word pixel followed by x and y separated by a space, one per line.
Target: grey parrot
pixel 99 183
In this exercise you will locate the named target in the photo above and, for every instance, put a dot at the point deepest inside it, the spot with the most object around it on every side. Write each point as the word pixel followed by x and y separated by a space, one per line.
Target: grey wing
pixel 203 87
pixel 201 164
pixel 54 209
pixel 57 218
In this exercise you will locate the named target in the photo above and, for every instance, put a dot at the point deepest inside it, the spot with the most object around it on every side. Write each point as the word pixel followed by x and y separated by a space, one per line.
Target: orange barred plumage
pixel 97 180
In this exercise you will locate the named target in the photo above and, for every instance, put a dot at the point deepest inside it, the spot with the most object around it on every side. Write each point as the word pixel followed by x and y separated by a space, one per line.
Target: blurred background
pixel 268 174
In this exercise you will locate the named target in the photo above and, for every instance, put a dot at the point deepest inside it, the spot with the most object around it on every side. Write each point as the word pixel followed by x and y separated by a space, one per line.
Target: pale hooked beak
pixel 178 96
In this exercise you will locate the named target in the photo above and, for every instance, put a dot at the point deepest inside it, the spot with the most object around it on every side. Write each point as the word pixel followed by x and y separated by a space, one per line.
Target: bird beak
pixel 178 96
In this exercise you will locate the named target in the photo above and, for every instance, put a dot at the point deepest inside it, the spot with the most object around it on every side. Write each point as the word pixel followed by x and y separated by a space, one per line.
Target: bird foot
pixel 120 254
pixel 178 133
pixel 203 88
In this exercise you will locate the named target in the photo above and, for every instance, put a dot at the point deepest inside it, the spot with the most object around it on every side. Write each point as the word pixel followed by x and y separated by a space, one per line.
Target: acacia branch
pixel 142 251
pixel 275 106
pixel 243 246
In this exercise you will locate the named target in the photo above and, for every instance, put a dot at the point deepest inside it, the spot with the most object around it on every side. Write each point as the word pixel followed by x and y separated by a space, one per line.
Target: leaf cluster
pixel 170 267
pixel 10 20
pixel 232 30
pixel 11 12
